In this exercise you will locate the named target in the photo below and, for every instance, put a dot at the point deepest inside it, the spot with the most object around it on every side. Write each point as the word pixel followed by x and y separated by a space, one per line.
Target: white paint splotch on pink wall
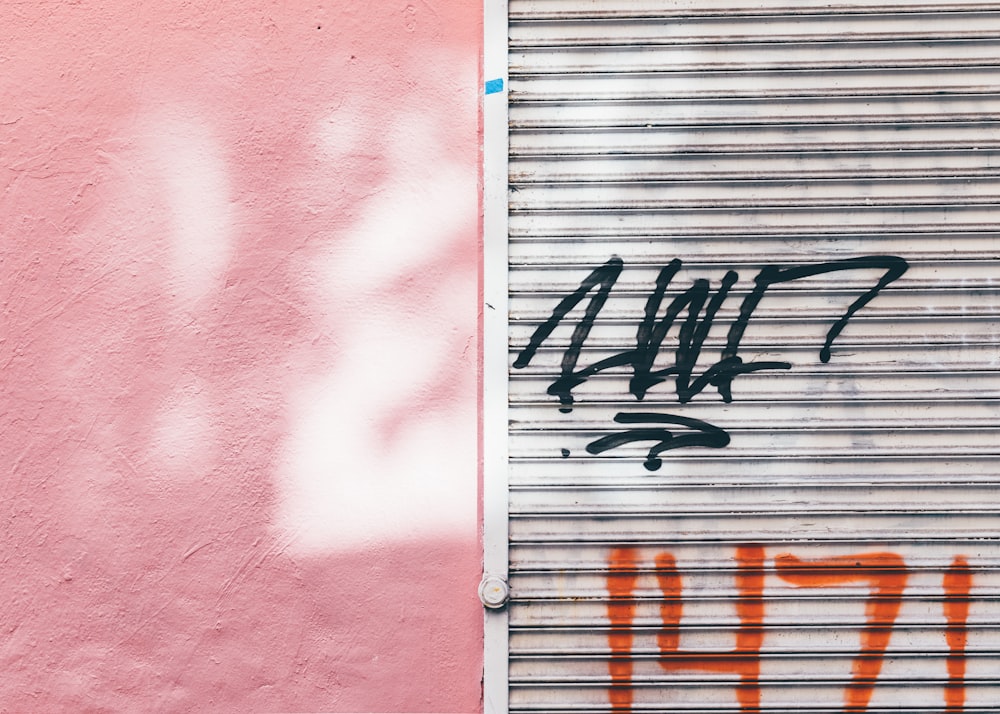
pixel 189 180
pixel 380 444
pixel 237 332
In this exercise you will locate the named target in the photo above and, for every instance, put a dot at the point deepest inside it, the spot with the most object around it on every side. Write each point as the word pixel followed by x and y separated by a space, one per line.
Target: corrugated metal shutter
pixel 754 266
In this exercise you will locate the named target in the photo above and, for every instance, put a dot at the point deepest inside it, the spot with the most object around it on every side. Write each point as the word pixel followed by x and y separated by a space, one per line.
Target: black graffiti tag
pixel 702 434
pixel 701 307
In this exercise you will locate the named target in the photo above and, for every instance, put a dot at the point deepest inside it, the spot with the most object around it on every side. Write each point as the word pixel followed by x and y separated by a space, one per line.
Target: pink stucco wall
pixel 238 288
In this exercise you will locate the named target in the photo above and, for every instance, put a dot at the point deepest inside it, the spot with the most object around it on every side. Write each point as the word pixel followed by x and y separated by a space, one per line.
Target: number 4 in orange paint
pixel 743 660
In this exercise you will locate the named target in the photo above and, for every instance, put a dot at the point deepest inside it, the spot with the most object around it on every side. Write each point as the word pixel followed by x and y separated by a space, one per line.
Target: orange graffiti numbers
pixel 885 574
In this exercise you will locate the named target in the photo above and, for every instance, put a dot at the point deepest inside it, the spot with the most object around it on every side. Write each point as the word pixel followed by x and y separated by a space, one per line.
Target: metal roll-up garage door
pixel 742 439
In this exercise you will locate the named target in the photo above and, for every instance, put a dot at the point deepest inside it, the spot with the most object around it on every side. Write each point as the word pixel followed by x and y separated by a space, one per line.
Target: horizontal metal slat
pixel 716 619
pixel 774 25
pixel 708 587
pixel 689 114
pixel 794 391
pixel 701 467
pixel 621 196
pixel 939 353
pixel 657 706
pixel 845 413
pixel 837 646
pixel 887 495
pixel 862 330
pixel 785 631
pixel 810 440
pixel 601 169
pixel 675 84
pixel 690 697
pixel 528 557
pixel 723 222
pixel 645 674
pixel 712 616
pixel 969 285
pixel 868 132
pixel 749 529
pixel 558 9
pixel 741 509
pixel 640 56
pixel 568 259
pixel 555 274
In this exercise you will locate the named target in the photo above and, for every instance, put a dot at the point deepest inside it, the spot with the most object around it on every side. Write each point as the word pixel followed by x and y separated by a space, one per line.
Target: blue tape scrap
pixel 494 85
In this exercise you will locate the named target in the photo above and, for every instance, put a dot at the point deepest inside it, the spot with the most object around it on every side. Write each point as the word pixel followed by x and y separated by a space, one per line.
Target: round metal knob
pixel 494 592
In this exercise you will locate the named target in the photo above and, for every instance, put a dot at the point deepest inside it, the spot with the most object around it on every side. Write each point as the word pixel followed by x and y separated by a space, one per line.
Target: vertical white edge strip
pixel 495 510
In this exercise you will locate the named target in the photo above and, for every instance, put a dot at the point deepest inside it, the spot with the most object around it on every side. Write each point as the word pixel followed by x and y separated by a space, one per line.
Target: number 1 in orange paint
pixel 622 575
pixel 957 584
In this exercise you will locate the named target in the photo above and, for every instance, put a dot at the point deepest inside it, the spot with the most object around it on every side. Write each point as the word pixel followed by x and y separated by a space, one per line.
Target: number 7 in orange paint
pixel 887 574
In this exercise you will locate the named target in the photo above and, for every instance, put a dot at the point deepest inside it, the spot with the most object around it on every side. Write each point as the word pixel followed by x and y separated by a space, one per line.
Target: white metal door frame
pixel 494 399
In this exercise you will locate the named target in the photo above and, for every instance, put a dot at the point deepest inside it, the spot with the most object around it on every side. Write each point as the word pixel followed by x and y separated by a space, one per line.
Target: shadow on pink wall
pixel 238 293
